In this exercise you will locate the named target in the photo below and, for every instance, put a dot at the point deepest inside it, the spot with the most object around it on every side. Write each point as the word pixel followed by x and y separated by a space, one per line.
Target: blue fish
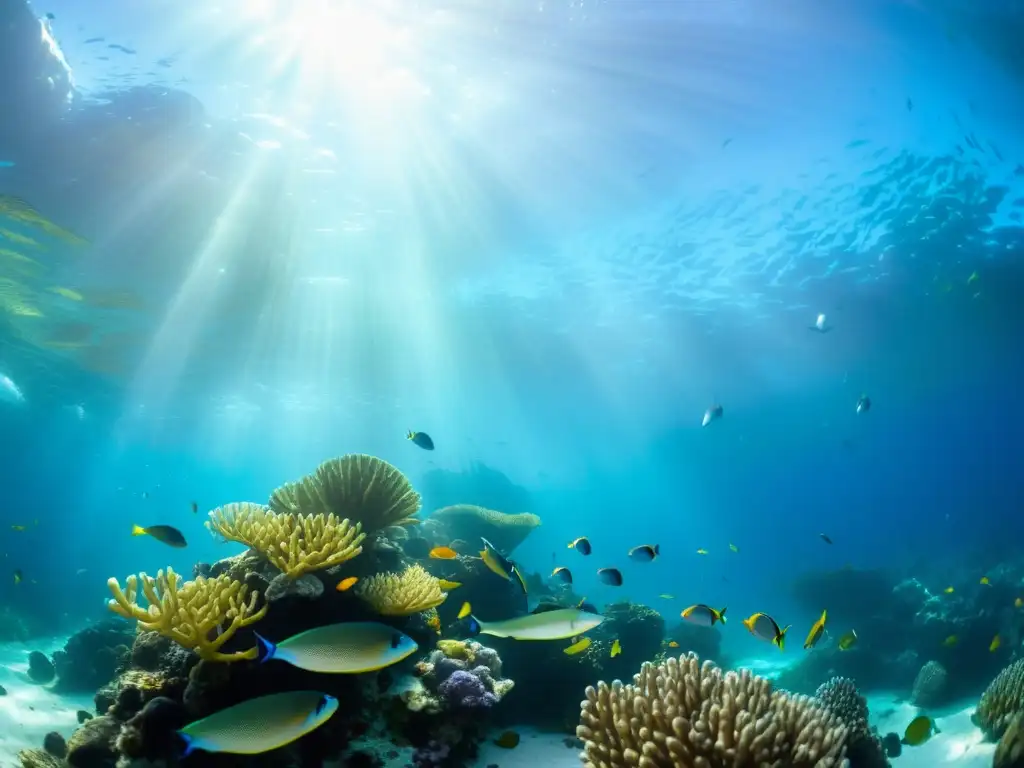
pixel 422 439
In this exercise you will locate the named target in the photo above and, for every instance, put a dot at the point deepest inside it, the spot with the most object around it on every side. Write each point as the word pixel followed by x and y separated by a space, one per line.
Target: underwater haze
pixel 551 235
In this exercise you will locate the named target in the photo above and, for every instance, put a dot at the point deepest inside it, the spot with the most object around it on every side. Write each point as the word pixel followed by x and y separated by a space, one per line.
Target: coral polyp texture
pixel 469 522
pixel 358 487
pixel 402 594
pixel 190 613
pixel 295 544
pixel 1003 699
pixel 682 713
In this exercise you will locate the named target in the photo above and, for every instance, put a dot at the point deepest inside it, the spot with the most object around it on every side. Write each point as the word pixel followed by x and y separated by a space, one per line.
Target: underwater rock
pixel 892 744
pixel 150 733
pixel 464 689
pixel 39 758
pixel 929 686
pixel 93 745
pixel 90 658
pixel 40 668
pixel 1010 750
pixel 306 587
pixel 480 484
pixel 55 744
pixel 81 715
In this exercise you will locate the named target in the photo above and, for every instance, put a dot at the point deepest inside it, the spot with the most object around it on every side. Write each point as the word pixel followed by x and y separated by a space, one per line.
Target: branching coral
pixel 358 487
pixel 402 594
pixel 295 544
pixel 840 696
pixel 190 613
pixel 681 713
pixel 504 531
pixel 1003 699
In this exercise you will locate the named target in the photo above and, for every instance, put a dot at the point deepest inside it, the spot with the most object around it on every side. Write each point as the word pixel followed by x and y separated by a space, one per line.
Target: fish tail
pixel 409 434
pixel 265 650
pixel 721 615
pixel 138 530
pixel 186 744
pixel 657 549
pixel 781 639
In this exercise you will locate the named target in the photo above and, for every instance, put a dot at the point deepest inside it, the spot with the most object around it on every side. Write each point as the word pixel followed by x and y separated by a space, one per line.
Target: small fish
pixel 19 528
pixel 422 439
pixel 501 565
pixel 195 507
pixel 667 597
pixel 949 590
pixel 67 293
pixel 764 627
pixel 616 648
pixel 346 584
pixel 972 278
pixel 578 647
pixel 586 607
pixel 448 586
pixel 560 624
pixel 348 648
pixel 465 610
pixel 507 740
pixel 863 404
pixel 645 553
pixel 443 553
pixel 847 641
pixel 1018 603
pixel 910 105
pixel 921 729
pixel 984 580
pixel 434 622
pixel 673 644
pixel 610 576
pixel 819 324
pixel 994 645
pixel 18 576
pixel 817 630
pixel 144 494
pixel 825 538
pixel 562 575
pixel 259 725
pixel 703 615
pixel 165 534
pixel 950 641
pixel 581 545
pixel 702 551
pixel 733 547
pixel 714 413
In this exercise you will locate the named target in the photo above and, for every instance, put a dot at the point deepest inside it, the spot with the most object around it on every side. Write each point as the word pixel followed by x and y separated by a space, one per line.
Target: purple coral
pixel 464 689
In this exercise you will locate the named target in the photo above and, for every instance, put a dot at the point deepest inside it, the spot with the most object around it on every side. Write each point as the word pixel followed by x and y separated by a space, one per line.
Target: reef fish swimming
pixel 165 534
pixel 501 565
pixel 347 648
pixel 703 615
pixel 714 413
pixel 422 439
pixel 259 725
pixel 560 624
pixel 763 626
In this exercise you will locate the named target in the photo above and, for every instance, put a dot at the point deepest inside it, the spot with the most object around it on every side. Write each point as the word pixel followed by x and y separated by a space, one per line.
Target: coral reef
pixel 929 688
pixel 357 487
pixel 863 747
pixel 471 523
pixel 1010 750
pixel 402 594
pixel 464 674
pixel 192 613
pixel 685 713
pixel 1001 701
pixel 295 544
pixel 91 657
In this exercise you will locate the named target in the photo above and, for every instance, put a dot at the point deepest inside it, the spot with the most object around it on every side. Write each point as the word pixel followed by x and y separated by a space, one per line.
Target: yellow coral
pixel 358 487
pixel 294 544
pixel 402 594
pixel 191 613
pixel 504 531
pixel 1003 699
pixel 455 649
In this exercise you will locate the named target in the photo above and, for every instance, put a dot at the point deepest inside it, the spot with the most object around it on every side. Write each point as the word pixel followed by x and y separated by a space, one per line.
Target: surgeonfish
pixel 562 574
pixel 610 576
pixel 259 725
pixel 422 439
pixel 817 630
pixel 645 553
pixel 465 610
pixel 578 647
pixel 764 627
pixel 863 404
pixel 921 729
pixel 994 645
pixel 560 624
pixel 825 538
pixel 714 413
pixel 616 648
pixel 347 648
pixel 442 553
pixel 165 534
pixel 501 565
pixel 581 545
pixel 847 641
pixel 703 615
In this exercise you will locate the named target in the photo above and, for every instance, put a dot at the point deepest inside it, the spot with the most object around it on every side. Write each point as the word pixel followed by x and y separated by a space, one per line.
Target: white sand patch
pixel 958 742
pixel 29 711
pixel 536 749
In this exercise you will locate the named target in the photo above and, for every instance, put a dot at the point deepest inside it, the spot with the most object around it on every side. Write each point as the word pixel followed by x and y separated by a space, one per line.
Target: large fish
pixel 259 725
pixel 549 625
pixel 347 648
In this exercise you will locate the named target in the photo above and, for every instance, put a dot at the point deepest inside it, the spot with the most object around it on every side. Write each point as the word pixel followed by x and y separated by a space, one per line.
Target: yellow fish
pixel 67 293
pixel 465 610
pixel 448 586
pixel 919 731
pixel 817 630
pixel 847 641
pixel 702 551
pixel 984 580
pixel 443 553
pixel 949 590
pixel 673 644
pixel 616 648
pixel 18 577
pixel 578 647
pixel 347 584
pixel 763 626
pixel 994 645
pixel 1018 603
pixel 950 641
pixel 733 547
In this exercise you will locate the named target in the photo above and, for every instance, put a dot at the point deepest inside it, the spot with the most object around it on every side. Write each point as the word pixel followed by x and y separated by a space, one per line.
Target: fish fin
pixel 519 576
pixel 781 639
pixel 138 530
pixel 409 434
pixel 657 549
pixel 721 615
pixel 473 626
pixel 186 744
pixel 265 649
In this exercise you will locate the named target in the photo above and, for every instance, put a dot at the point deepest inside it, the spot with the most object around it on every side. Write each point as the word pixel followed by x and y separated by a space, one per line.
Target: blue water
pixel 551 235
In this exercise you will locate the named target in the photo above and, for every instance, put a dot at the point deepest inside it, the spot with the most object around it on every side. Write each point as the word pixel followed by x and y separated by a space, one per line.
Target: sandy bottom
pixel 29 711
pixel 537 749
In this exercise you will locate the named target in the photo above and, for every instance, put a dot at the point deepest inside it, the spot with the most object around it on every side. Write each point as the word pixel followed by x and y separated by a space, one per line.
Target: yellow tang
pixel 259 725
pixel 578 647
pixel 348 648
pixel 994 645
pixel 465 610
pixel 817 630
pixel 616 648
pixel 919 731
pixel 448 585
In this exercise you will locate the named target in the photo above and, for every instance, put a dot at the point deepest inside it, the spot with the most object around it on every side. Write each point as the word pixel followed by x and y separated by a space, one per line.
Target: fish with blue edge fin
pixel 421 439
pixel 559 624
pixel 562 575
pixel 817 630
pixel 347 648
pixel 581 545
pixel 165 534
pixel 259 725
pixel 714 413
pixel 501 565
pixel 610 576
pixel 764 627
pixel 703 615
pixel 645 553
